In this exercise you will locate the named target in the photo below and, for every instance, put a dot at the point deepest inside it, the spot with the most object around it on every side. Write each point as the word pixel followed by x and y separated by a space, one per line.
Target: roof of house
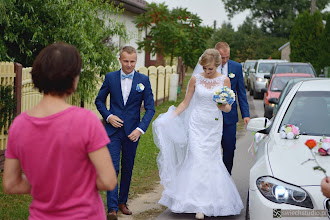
pixel 134 6
pixel 281 48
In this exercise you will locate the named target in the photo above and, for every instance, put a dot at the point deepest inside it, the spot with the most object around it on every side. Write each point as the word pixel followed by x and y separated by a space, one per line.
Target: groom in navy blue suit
pixel 127 89
pixel 233 70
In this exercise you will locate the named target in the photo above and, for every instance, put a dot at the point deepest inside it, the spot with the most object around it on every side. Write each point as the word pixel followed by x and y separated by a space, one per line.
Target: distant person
pixel 127 89
pixel 60 148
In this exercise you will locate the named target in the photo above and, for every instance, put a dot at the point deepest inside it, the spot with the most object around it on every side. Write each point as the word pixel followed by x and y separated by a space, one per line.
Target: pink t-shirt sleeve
pixel 97 135
pixel 11 151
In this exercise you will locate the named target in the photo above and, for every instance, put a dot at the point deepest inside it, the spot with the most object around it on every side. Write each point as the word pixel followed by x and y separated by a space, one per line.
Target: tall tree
pixel 324 53
pixel 305 39
pixel 35 24
pixel 275 16
pixel 173 33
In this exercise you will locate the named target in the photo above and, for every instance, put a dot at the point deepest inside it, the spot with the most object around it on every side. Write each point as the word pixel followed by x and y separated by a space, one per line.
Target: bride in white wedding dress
pixel 190 164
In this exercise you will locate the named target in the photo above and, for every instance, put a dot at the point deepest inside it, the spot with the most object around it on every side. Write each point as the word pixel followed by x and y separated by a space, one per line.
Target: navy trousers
pixel 120 143
pixel 228 144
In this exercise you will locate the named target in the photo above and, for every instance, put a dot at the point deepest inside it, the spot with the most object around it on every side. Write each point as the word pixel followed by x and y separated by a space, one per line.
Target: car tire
pixel 258 95
pixel 247 212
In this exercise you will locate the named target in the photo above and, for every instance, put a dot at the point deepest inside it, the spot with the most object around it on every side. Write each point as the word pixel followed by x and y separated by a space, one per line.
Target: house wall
pixel 134 35
pixel 285 53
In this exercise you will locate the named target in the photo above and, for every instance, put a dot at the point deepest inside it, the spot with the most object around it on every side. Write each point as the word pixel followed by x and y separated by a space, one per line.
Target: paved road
pixel 243 161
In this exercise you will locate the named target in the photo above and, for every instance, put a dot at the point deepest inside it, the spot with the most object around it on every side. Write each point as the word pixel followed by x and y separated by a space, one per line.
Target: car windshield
pixel 265 67
pixel 294 69
pixel 310 111
pixel 278 83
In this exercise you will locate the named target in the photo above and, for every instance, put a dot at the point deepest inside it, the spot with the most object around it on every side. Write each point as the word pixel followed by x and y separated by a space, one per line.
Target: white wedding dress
pixel 190 162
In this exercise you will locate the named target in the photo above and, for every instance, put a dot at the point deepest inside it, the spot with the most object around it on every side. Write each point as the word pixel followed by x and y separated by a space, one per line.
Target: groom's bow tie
pixel 124 76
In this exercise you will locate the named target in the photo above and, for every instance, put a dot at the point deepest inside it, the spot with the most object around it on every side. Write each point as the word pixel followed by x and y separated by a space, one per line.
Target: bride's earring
pixel 199 215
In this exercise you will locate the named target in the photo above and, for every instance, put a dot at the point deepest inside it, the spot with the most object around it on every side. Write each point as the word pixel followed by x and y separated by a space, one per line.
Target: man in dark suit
pixel 233 70
pixel 127 89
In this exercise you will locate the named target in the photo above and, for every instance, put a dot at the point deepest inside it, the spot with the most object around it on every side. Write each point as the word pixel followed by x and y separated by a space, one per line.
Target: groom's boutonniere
pixel 231 75
pixel 139 87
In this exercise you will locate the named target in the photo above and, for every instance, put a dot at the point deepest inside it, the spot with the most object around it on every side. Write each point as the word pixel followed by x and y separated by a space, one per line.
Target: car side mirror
pixel 267 76
pixel 252 71
pixel 257 124
pixel 273 101
pixel 264 90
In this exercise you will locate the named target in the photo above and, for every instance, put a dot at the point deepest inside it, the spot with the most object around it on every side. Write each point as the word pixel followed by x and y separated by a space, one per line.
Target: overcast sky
pixel 207 10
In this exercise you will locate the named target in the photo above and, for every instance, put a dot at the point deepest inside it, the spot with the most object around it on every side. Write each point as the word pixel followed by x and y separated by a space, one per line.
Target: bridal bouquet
pixel 224 96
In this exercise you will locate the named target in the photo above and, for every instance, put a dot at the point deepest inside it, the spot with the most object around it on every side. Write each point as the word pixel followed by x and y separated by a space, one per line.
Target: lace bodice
pixel 205 88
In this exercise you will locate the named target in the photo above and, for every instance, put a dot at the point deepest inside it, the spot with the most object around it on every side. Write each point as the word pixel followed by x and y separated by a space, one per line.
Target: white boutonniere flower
pixel 139 87
pixel 231 75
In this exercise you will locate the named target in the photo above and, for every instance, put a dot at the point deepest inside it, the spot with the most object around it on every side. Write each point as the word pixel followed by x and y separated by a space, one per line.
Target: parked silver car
pixel 257 79
pixel 247 65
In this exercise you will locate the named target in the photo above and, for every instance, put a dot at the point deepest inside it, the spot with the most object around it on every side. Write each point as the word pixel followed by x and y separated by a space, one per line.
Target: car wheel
pixel 258 95
pixel 255 95
pixel 247 213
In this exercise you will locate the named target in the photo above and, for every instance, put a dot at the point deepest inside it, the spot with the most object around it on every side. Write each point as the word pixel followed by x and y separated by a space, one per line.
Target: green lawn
pixel 145 173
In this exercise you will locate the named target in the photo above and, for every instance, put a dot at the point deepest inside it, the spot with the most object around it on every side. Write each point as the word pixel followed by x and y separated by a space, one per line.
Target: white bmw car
pixel 283 182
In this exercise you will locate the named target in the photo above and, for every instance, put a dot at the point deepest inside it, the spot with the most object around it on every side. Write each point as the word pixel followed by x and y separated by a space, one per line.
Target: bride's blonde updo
pixel 209 57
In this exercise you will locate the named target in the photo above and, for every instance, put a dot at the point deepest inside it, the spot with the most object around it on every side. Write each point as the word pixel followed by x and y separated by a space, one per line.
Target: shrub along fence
pixel 25 96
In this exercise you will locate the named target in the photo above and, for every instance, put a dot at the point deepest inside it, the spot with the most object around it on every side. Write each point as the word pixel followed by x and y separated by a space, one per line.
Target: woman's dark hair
pixel 55 68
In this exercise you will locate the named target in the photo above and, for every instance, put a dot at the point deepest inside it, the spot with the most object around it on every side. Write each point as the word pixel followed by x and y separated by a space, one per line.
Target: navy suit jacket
pixel 129 113
pixel 237 85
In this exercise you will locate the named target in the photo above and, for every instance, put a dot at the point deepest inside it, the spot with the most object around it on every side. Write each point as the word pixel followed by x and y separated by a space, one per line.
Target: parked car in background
pixel 276 85
pixel 257 79
pixel 283 176
pixel 288 86
pixel 291 67
pixel 247 65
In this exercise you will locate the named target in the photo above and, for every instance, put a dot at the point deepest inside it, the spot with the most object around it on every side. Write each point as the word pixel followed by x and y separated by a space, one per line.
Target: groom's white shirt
pixel 224 69
pixel 126 85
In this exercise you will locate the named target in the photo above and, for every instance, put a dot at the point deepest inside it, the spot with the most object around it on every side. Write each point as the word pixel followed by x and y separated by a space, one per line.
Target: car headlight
pixel 280 192
pixel 272 105
pixel 259 79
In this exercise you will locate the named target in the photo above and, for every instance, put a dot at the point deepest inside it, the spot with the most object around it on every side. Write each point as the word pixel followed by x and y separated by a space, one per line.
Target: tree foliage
pixel 29 26
pixel 305 39
pixel 7 106
pixel 276 16
pixel 324 54
pixel 173 33
pixel 248 42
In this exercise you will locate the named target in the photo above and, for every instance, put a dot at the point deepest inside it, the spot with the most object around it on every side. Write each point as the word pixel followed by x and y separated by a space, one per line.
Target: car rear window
pixel 278 83
pixel 265 67
pixel 294 69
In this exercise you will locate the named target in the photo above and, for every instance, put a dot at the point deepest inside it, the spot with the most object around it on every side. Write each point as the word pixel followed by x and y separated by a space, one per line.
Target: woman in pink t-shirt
pixel 60 148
